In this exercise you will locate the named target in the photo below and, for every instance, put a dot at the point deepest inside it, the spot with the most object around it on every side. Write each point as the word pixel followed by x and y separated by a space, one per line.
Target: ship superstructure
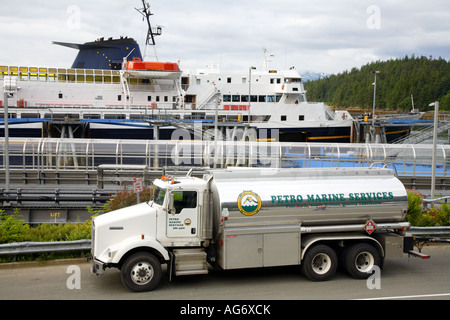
pixel 98 102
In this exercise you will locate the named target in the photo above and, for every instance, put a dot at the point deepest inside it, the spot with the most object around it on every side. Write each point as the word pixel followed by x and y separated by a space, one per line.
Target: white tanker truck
pixel 252 217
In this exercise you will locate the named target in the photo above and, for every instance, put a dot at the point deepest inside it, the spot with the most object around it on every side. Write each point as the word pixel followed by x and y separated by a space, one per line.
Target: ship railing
pixel 71 75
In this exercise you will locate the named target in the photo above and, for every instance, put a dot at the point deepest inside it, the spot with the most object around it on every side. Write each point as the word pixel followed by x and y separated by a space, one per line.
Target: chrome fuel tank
pixel 310 197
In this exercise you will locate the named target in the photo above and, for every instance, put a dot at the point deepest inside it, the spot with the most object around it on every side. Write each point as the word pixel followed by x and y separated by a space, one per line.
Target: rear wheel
pixel 320 263
pixel 141 272
pixel 359 260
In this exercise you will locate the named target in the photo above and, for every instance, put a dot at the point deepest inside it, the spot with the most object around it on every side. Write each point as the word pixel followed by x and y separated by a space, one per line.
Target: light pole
pixel 9 87
pixel 374 98
pixel 433 161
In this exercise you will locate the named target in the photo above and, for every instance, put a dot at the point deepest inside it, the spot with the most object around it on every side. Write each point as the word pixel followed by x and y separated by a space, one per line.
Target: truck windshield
pixel 158 195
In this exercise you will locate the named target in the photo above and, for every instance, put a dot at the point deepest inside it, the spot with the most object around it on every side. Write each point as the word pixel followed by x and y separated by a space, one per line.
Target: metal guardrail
pixel 56 196
pixel 430 231
pixel 16 248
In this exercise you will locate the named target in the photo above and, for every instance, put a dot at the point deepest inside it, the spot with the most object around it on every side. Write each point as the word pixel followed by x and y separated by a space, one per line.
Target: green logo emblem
pixel 249 203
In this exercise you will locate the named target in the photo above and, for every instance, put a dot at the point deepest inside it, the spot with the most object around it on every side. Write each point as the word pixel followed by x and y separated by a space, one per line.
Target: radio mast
pixel 152 32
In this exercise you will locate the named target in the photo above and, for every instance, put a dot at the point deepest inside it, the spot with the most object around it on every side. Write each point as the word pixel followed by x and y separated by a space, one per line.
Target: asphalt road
pixel 402 278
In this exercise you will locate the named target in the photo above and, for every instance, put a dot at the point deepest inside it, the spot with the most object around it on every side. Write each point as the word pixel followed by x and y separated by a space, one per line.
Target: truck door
pixel 182 217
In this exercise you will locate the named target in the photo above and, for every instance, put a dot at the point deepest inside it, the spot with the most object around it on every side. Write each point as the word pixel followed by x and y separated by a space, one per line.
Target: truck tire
pixel 359 260
pixel 320 263
pixel 141 272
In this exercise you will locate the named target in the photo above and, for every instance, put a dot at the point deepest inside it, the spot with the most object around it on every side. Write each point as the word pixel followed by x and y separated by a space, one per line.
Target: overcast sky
pixel 321 35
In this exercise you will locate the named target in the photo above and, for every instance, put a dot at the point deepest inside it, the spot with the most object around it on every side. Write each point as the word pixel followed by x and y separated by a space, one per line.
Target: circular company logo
pixel 187 222
pixel 249 203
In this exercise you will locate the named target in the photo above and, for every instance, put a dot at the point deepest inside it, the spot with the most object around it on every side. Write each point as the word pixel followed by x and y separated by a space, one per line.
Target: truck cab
pixel 140 238
pixel 179 203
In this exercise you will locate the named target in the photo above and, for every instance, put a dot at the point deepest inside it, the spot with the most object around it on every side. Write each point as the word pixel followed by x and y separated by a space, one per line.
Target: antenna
pixel 266 59
pixel 152 32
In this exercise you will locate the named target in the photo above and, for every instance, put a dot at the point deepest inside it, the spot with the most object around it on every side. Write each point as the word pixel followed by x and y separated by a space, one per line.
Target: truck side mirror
pixel 171 205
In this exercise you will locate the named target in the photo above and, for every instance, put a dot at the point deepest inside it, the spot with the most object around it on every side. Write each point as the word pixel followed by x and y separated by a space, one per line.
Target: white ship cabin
pixel 237 91
pixel 271 95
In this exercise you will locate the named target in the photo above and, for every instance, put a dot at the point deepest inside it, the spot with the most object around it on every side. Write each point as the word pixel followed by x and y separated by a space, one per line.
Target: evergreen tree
pixel 425 78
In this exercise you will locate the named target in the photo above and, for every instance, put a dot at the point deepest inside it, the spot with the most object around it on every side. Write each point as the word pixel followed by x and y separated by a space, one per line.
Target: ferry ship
pixel 111 92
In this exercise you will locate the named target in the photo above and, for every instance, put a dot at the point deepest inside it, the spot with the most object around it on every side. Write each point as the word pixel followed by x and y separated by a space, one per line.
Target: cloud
pixel 323 35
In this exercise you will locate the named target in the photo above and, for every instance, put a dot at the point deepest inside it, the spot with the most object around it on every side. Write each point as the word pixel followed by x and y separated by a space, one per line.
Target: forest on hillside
pixel 425 78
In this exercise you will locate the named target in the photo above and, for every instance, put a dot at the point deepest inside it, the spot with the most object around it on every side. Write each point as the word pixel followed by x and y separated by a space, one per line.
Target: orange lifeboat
pixel 138 64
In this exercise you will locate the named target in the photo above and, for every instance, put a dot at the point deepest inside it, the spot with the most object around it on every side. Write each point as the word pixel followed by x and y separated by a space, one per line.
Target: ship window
pixel 149 98
pixel 52 77
pixel 253 98
pixel 60 95
pixel 198 81
pixel 278 98
pixel 244 80
pixel 119 97
pixel 236 98
pixel 114 116
pixel 30 115
pixel 227 98
pixel 261 98
pixel 157 98
pixel 166 99
pixel 228 80
pixel 61 78
pixel 270 99
pixel 244 98
pixel 92 116
pixel 301 117
pixel 283 118
pixel 24 76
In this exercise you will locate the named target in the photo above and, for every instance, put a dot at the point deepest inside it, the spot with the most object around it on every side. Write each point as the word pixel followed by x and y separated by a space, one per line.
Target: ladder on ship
pixel 126 88
pixel 206 97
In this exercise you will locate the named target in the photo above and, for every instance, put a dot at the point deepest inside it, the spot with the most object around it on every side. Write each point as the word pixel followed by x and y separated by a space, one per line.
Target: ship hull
pixel 111 131
pixel 340 134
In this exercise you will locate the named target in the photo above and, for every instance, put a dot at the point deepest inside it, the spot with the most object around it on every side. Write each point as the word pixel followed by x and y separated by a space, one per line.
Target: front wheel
pixel 141 272
pixel 320 263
